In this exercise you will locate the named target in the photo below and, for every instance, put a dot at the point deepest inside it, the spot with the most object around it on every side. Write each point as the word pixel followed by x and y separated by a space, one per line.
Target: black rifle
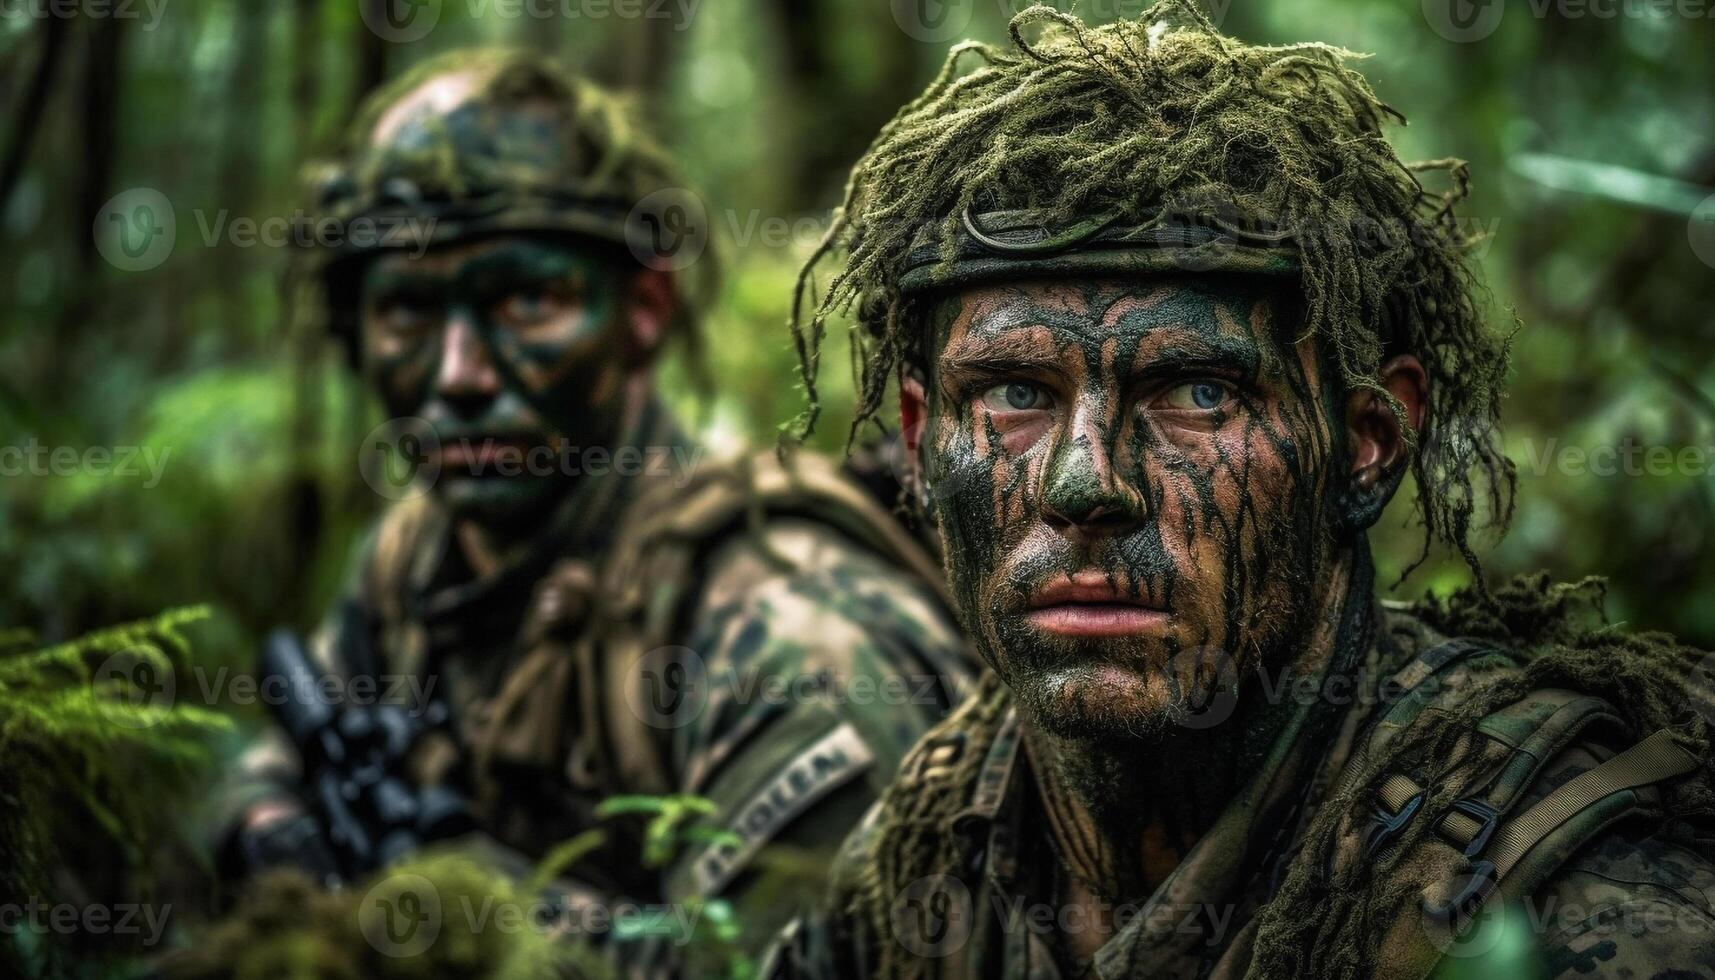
pixel 370 815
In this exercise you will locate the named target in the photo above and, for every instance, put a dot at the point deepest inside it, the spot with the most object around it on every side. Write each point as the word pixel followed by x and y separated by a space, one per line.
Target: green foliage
pixel 218 461
pixel 285 927
pixel 671 825
pixel 98 759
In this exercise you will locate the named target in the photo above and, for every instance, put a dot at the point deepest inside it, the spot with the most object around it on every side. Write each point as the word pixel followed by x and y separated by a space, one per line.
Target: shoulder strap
pixel 1482 844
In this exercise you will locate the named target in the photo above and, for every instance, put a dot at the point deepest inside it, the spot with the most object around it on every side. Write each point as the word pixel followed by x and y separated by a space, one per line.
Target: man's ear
pixel 913 415
pixel 651 304
pixel 1380 447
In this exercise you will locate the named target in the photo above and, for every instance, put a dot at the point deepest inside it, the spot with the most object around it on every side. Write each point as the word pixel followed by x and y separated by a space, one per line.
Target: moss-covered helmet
pixel 478 142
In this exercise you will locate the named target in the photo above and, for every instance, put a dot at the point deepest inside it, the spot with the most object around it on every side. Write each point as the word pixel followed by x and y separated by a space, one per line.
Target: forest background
pixel 174 433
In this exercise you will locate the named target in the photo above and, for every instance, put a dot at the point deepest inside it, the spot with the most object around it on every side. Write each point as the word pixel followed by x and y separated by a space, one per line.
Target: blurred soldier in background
pixel 594 608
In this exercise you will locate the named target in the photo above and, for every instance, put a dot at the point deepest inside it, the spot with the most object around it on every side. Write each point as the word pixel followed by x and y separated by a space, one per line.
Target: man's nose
pixel 1084 496
pixel 467 379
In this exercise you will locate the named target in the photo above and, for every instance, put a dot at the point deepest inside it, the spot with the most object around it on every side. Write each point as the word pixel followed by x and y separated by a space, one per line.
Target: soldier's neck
pixel 1124 812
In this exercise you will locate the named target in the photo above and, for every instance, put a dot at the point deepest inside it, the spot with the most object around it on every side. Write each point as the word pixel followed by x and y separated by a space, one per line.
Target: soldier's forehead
pixel 436 96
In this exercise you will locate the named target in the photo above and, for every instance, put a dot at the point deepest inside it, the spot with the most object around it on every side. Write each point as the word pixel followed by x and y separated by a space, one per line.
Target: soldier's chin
pixel 1101 700
pixel 499 501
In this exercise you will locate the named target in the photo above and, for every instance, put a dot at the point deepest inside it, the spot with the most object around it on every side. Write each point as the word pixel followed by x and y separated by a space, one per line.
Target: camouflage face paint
pixel 1125 471
pixel 510 347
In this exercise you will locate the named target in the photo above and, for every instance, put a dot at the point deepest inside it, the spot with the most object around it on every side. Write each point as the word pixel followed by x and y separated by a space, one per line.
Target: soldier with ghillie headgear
pixel 594 608
pixel 1170 323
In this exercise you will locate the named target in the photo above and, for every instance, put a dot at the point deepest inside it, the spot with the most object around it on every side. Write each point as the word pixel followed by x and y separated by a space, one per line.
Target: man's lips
pixel 1087 604
pixel 489 454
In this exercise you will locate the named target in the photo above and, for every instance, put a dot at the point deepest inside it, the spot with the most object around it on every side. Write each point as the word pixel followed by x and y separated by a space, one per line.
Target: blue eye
pixel 1197 396
pixel 1017 396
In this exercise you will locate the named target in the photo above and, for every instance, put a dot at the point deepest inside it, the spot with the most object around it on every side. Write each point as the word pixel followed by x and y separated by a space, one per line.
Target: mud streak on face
pixel 1173 437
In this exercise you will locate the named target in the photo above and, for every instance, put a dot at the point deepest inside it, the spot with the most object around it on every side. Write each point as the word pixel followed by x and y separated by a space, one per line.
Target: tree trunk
pixel 28 115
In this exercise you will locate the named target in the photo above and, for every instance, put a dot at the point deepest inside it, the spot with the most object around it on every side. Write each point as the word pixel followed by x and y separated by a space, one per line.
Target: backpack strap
pixel 1483 844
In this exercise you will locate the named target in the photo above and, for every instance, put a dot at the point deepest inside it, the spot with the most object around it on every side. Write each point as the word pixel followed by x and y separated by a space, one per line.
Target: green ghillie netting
pixel 1564 642
pixel 1319 925
pixel 1153 120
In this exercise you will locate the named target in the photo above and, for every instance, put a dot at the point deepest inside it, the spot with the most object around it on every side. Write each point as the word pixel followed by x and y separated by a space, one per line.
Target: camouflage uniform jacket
pixel 766 637
pixel 1629 903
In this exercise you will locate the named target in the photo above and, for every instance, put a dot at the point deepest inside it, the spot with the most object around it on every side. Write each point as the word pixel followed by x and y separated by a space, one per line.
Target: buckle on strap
pixel 1652 760
pixel 1386 827
pixel 1487 818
